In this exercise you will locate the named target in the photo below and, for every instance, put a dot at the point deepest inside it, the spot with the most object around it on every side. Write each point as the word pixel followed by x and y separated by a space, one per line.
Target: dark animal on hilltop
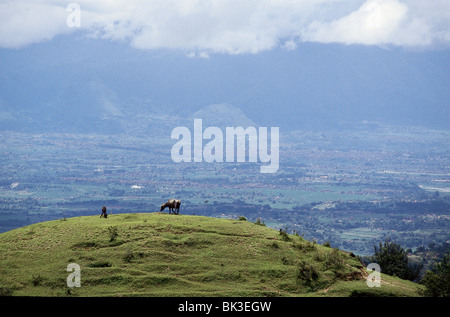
pixel 173 205
pixel 104 212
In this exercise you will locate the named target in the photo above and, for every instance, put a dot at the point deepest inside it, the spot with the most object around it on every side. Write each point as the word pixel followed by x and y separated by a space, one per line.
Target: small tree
pixel 437 279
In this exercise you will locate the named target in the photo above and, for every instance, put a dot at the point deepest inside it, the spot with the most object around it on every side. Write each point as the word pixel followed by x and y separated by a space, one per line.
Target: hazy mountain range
pixel 79 85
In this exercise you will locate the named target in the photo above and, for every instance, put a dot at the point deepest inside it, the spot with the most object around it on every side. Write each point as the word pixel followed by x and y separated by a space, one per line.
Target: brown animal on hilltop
pixel 177 206
pixel 173 205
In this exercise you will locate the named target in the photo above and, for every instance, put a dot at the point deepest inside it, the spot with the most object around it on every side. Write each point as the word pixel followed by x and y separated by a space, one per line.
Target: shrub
pixel 286 261
pixel 307 246
pixel 112 232
pixel 319 256
pixel 274 245
pixel 259 223
pixel 334 260
pixel 6 291
pixel 310 246
pixel 307 272
pixel 36 280
pixel 242 218
pixel 128 256
pixel 284 235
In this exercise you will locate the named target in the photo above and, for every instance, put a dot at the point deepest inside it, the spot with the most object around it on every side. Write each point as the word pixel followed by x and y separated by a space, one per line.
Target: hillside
pixel 158 254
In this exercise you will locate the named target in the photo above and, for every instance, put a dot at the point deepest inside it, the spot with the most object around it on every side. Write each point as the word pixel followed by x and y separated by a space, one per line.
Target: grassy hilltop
pixel 158 254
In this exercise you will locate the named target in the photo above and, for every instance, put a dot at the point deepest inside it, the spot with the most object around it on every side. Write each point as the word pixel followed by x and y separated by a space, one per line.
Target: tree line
pixel 393 260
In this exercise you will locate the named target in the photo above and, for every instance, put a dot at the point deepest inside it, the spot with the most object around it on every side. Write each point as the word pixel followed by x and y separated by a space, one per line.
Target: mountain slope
pixel 74 84
pixel 159 254
pixel 223 115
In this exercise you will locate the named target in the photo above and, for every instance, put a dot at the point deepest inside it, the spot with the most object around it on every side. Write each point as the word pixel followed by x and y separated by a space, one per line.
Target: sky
pixel 204 27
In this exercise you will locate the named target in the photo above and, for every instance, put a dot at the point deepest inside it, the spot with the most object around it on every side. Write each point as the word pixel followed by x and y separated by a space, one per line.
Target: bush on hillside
pixel 437 280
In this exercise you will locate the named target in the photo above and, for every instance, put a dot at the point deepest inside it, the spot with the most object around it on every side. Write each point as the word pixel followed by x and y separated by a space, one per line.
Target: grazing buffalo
pixel 173 205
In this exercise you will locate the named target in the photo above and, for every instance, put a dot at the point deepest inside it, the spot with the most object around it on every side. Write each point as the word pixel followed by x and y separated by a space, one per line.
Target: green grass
pixel 158 254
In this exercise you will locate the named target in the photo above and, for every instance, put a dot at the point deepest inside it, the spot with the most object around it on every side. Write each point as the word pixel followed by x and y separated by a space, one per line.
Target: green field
pixel 159 254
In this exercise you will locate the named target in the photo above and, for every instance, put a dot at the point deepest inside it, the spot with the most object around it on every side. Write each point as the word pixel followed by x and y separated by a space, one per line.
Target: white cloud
pixel 199 54
pixel 25 22
pixel 373 23
pixel 378 22
pixel 202 27
pixel 290 45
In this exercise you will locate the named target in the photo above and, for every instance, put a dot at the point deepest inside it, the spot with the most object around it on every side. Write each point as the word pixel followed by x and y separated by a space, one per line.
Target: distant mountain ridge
pixel 223 115
pixel 75 85
pixel 101 110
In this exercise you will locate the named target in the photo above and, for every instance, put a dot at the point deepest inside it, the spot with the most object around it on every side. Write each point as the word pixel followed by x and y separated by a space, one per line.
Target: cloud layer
pixel 201 27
